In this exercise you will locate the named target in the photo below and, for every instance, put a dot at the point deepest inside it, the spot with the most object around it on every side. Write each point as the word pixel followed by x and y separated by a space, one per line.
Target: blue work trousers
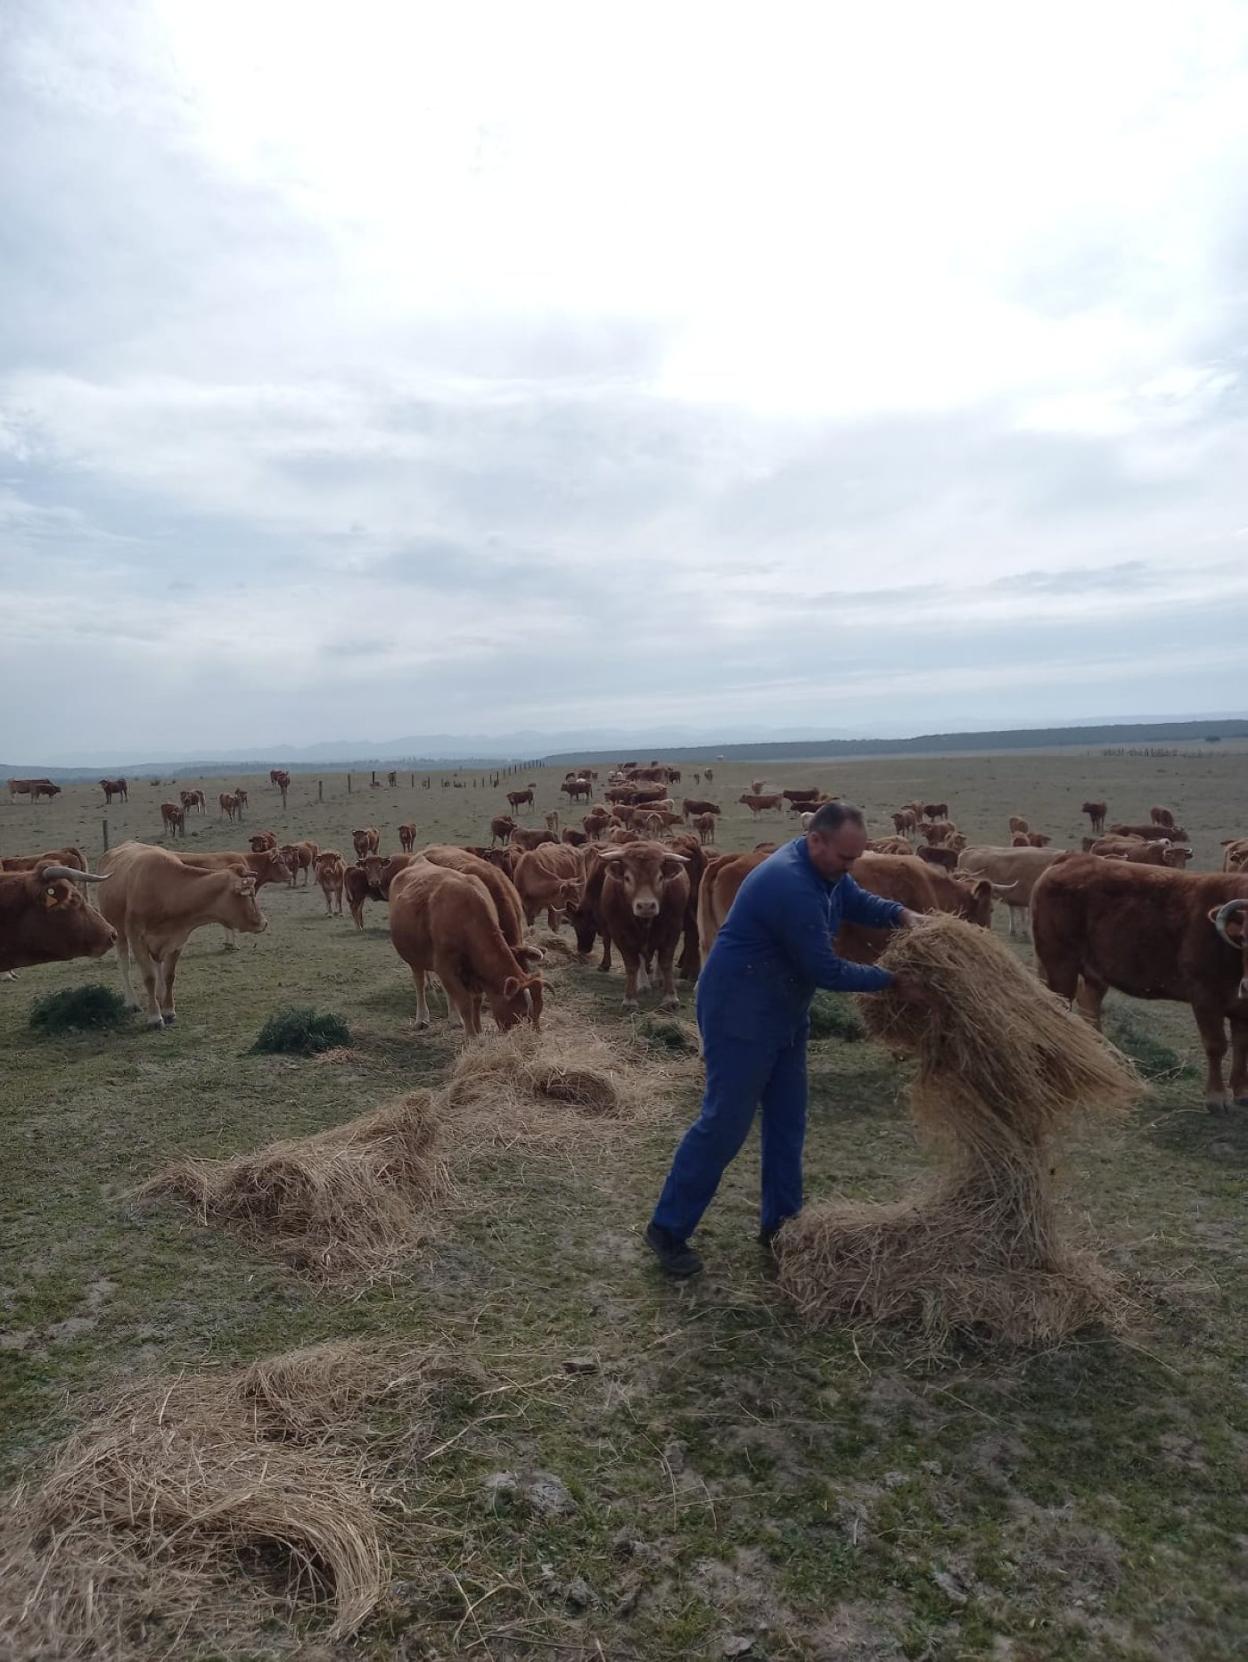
pixel 742 1075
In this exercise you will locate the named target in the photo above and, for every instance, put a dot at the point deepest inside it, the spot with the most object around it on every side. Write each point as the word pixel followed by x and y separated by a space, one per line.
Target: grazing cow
pixel 806 796
pixel 1139 853
pixel 704 825
pixel 30 788
pixel 550 878
pixel 112 788
pixel 1018 824
pixel 367 840
pixel 503 893
pixel 154 900
pixel 446 921
pixel 279 778
pixel 501 827
pixel 1151 934
pixel 1096 812
pixel 905 820
pixel 644 899
pixel 573 837
pixel 520 799
pixel 935 854
pixel 173 818
pixel 879 845
pixel 1162 816
pixel 575 789
pixel 331 871
pixel 758 804
pixel 407 837
pixel 693 807
pixel 300 857
pixel 1235 853
pixel 935 810
pixel 45 919
pixel 227 805
pixel 68 856
pixel 43 787
pixel 262 840
pixel 1150 832
pixel 524 840
pixel 193 799
pixel 1016 872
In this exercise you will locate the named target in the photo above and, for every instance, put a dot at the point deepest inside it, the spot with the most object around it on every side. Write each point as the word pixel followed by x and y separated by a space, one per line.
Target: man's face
pixel 832 853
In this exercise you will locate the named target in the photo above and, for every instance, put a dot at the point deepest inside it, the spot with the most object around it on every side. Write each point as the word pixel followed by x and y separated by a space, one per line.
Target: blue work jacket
pixel 776 948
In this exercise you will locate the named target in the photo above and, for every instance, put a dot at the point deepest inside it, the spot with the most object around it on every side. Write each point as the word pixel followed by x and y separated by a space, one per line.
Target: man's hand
pixel 912 920
pixel 911 988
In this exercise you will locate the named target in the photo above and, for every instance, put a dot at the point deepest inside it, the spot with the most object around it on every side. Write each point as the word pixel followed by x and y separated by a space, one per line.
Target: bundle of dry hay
pixel 199 1506
pixel 350 1201
pixel 1002 1064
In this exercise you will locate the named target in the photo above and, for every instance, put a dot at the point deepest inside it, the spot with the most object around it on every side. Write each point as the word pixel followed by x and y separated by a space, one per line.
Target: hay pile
pixel 200 1506
pixel 975 1249
pixel 350 1201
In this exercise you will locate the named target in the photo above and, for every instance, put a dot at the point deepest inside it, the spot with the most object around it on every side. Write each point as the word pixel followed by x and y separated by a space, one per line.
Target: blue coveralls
pixel 754 993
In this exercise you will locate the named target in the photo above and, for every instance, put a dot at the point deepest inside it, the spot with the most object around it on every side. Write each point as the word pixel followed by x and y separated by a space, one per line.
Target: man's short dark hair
pixel 833 815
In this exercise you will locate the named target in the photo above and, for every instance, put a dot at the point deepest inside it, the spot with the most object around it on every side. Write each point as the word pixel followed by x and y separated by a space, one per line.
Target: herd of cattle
pixel 639 874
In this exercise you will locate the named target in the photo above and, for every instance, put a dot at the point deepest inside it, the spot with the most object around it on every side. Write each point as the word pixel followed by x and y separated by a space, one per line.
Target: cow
pixel 644 898
pixel 694 807
pixel 573 837
pixel 1150 832
pixel 193 799
pixel 300 857
pixel 905 820
pixel 46 919
pixel 704 825
pixel 262 840
pixel 503 892
pixel 446 921
pixel 154 900
pixel 552 822
pixel 934 854
pixel 575 789
pixel 880 845
pixel 762 804
pixel 1138 852
pixel 501 827
pixel 407 837
pixel 523 839
pixel 550 878
pixel 269 865
pixel 227 805
pixel 1038 839
pixel 241 796
pixel 68 856
pixel 596 823
pixel 112 788
pixel 939 831
pixel 807 795
pixel 1163 817
pixel 1018 825
pixel 331 869
pixel 520 799
pixel 1152 934
pixel 392 778
pixel 1096 812
pixel 367 840
pixel 935 810
pixel 1016 872
pixel 360 884
pixel 173 818
pixel 280 780
pixel 1235 853
pixel 1020 839
pixel 43 787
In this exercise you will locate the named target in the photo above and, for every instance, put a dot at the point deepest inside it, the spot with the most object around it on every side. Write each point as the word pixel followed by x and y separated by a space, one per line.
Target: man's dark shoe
pixel 767 1238
pixel 677 1257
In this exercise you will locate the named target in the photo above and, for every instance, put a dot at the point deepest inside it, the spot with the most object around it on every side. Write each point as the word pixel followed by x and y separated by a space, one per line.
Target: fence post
pixel 104 825
pixel 320 790
pixel 348 784
pixel 374 776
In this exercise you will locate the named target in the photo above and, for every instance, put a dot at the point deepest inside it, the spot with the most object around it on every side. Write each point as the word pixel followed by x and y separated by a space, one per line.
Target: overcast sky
pixel 404 368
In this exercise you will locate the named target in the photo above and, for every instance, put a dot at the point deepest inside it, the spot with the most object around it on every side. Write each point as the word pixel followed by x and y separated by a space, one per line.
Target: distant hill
pixel 1096 735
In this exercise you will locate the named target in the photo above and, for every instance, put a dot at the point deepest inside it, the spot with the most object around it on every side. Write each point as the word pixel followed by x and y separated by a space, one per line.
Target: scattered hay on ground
pixel 195 1508
pixel 78 1010
pixel 351 1201
pixel 976 1250
pixel 559 947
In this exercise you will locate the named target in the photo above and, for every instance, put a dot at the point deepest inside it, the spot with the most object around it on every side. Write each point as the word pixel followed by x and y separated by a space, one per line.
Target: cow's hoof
pixel 630 1004
pixel 171 1017
pixel 230 946
pixel 604 969
pixel 155 1022
pixel 420 1026
pixel 1217 1105
pixel 672 1003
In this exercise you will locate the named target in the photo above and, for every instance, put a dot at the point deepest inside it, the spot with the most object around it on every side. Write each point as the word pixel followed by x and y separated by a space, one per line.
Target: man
pixel 754 993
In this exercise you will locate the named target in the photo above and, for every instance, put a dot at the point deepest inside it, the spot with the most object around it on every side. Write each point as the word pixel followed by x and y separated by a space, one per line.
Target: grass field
pixel 736 1484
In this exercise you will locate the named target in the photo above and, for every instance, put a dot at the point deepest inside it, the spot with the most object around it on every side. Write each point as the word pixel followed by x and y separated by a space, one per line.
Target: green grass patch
pixel 1152 1057
pixel 302 1031
pixel 832 1016
pixel 78 1010
pixel 663 1034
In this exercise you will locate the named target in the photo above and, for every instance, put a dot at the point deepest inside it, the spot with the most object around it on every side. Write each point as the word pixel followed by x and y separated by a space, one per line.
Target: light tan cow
pixel 330 870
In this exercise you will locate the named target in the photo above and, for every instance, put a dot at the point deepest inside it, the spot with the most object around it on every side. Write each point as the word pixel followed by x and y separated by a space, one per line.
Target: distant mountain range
pixel 600 745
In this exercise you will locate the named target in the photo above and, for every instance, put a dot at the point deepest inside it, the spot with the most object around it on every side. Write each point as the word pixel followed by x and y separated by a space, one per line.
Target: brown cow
pixel 1018 824
pixel 262 840
pixel 577 788
pixel 173 818
pixel 503 892
pixel 193 799
pixel 241 794
pixel 550 878
pixel 68 856
pixel 919 888
pixel 1150 832
pixel 645 895
pixel 1151 934
pixel 300 857
pixel 1235 853
pixel 573 837
pixel 704 825
pixel 935 810
pixel 1020 839
pixel 884 845
pixel 269 865
pixel 112 788
pixel 762 804
pixel 1096 812
pixel 446 921
pixel 407 837
pixel 1162 816
pixel 810 795
pixel 45 919
pixel 367 840
pixel 501 827
pixel 520 799
pixel 1038 839
pixel 154 900
pixel 1141 853
pixel 44 787
pixel 331 870
pixel 1014 872
pixel 905 820
pixel 939 831
pixel 933 854
pixel 227 805
pixel 694 807
pixel 596 823
pixel 524 840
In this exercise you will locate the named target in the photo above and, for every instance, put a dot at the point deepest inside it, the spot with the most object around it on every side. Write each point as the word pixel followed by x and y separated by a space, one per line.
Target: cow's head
pixel 974 901
pixel 1176 855
pixel 75 928
pixel 1230 921
pixel 520 1000
pixel 242 907
pixel 643 870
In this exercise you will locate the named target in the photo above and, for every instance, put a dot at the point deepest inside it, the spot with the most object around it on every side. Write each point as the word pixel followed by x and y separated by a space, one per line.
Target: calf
pixel 446 921
pixel 1150 832
pixel 694 808
pixel 524 840
pixel 501 827
pixel 704 825
pixel 550 878
pixel 45 919
pixel 1096 812
pixel 173 819
pixel 645 895
pixel 520 799
pixel 762 804
pixel 227 805
pixel 367 840
pixel 331 871
pixel 1140 853
pixel 1153 934
pixel 262 840
pixel 407 837
pixel 1163 817
pixel 1235 853
pixel 1018 825
pixel 935 810
pixel 935 855
pixel 300 858
pixel 114 787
